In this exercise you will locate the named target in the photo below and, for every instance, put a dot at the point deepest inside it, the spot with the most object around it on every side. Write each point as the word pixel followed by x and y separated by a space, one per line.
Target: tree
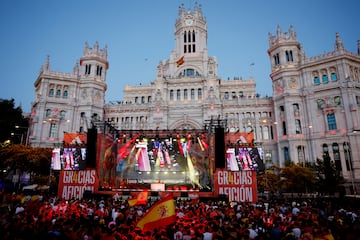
pixel 328 177
pixel 297 179
pixel 26 159
pixel 10 116
pixel 269 180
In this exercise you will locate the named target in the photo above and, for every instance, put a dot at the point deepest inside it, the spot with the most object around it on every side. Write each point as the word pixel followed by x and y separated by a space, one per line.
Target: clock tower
pixel 190 47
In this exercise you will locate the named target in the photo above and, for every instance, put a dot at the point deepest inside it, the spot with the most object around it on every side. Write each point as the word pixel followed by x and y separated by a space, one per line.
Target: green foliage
pixel 11 116
pixel 26 158
pixel 296 178
pixel 328 178
pixel 269 180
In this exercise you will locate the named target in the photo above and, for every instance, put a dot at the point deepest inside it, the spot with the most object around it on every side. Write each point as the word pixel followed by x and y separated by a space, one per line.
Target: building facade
pixel 314 109
pixel 68 102
pixel 316 103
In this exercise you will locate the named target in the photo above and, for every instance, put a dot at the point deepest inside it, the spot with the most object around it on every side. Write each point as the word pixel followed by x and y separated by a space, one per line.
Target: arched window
pixel 65 93
pixel 337 159
pixel 178 94
pixel 233 95
pixel 298 126
pixel 325 78
pixel 316 80
pixel 199 93
pixel 277 59
pixel 51 92
pixel 171 94
pixel 52 132
pixel 189 72
pixel 62 114
pixel 333 76
pixel 98 70
pixel 289 56
pixel 266 132
pixel 301 153
pixel 286 154
pixel 331 121
pixel 185 94
pixel 325 148
pixel 58 93
pixel 284 128
pixel 192 93
pixel 48 112
pixel 87 69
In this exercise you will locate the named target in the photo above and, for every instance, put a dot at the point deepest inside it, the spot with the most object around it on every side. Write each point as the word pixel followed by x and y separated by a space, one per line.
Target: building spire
pixel 47 63
pixel 278 32
pixel 338 43
pixel 76 69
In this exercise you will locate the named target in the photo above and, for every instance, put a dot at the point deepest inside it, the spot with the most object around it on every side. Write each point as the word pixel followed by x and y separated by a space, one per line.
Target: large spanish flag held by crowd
pixel 160 214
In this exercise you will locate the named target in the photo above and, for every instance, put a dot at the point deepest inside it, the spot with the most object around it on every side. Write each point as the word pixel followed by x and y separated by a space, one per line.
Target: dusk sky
pixel 140 33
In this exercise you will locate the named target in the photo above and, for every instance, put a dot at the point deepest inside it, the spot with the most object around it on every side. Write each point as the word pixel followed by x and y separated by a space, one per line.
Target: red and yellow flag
pixel 141 198
pixel 160 214
pixel 180 61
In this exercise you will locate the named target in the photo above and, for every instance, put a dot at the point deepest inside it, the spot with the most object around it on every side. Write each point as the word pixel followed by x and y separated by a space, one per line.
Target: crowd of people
pixel 46 217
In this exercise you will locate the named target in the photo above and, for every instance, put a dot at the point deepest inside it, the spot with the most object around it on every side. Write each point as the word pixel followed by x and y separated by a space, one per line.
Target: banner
pixel 239 186
pixel 75 138
pixel 242 138
pixel 73 184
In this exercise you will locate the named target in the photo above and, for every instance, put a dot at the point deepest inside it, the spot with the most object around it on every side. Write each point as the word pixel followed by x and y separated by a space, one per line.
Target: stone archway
pixel 185 125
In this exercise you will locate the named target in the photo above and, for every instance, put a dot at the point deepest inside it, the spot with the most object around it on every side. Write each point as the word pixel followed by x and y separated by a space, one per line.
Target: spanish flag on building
pixel 160 214
pixel 180 61
pixel 141 198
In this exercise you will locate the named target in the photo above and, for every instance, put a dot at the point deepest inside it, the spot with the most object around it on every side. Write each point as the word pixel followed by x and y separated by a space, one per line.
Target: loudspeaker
pixel 91 148
pixel 219 148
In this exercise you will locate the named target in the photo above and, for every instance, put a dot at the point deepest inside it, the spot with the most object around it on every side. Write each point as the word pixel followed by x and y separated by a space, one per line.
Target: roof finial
pixel 278 32
pixel 47 63
pixel 338 43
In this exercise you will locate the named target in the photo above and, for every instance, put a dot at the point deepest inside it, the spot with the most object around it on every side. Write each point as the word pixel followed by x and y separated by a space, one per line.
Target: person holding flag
pixel 160 214
pixel 141 199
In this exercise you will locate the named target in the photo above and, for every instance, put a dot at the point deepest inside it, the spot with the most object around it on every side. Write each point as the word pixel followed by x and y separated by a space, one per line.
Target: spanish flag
pixel 180 61
pixel 141 198
pixel 160 214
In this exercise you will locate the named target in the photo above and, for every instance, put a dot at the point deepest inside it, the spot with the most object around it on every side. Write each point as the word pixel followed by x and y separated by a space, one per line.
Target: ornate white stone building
pixel 314 109
pixel 66 102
